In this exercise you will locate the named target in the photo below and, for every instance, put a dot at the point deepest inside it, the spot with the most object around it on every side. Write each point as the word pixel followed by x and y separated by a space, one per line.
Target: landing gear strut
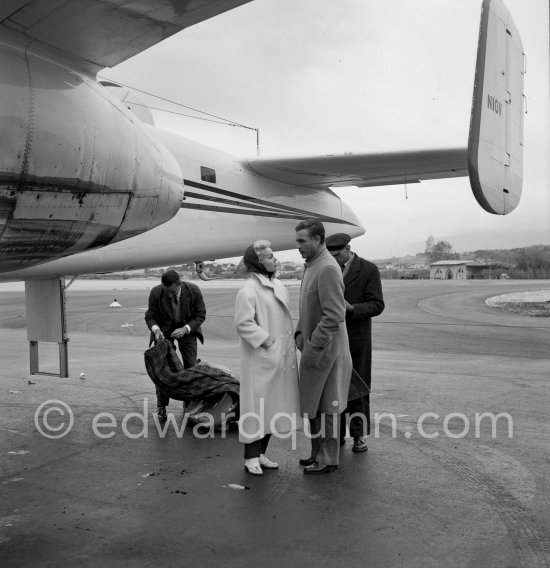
pixel 46 321
pixel 199 267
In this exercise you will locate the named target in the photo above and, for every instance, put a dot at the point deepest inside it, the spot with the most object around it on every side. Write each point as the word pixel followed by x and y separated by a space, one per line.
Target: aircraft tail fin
pixel 495 143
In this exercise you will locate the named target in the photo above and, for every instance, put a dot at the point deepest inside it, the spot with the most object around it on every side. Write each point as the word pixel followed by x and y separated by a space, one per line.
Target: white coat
pixel 269 377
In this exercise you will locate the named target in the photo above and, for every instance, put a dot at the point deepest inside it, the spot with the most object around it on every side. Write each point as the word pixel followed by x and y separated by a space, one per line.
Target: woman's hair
pixel 260 248
pixel 253 257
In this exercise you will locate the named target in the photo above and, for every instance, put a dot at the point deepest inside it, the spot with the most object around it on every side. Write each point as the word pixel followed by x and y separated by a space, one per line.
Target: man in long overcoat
pixel 321 336
pixel 364 300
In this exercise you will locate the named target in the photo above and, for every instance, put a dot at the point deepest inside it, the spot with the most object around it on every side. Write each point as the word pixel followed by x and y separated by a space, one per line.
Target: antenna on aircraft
pixel 218 119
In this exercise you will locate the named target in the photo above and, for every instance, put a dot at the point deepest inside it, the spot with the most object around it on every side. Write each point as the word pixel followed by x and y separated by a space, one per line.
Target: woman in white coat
pixel 269 396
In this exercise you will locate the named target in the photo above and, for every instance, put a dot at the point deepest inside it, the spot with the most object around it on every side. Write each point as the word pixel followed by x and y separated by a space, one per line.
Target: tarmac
pixel 456 474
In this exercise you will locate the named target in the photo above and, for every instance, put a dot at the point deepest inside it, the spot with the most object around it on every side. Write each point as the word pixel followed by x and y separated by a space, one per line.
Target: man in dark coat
pixel 364 300
pixel 176 311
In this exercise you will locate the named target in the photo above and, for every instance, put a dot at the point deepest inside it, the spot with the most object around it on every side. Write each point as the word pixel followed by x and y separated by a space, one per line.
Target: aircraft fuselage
pixel 226 208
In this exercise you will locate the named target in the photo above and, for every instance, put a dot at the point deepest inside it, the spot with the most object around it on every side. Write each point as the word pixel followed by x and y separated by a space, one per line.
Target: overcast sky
pixel 318 76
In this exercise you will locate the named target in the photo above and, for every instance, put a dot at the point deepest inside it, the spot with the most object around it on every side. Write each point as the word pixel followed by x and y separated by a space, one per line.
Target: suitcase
pixel 216 411
pixel 193 406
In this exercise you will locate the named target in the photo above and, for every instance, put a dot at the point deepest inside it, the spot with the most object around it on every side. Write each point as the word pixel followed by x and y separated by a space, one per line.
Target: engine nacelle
pixel 77 169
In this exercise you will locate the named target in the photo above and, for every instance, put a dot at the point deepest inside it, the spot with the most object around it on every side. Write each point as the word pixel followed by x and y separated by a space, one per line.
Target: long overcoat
pixel 325 365
pixel 269 377
pixel 363 290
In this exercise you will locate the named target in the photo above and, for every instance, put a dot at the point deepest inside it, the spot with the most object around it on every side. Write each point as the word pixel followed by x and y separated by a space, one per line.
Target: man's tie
pixel 177 316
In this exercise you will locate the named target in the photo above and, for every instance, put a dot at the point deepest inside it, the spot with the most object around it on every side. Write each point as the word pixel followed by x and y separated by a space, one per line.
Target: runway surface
pixel 443 484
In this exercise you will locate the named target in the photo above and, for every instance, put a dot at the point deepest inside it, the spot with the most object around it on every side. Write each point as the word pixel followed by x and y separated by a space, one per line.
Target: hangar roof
pixel 450 262
pixel 469 264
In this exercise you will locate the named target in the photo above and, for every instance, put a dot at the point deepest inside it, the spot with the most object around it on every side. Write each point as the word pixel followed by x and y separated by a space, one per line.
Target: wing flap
pixel 363 170
pixel 106 32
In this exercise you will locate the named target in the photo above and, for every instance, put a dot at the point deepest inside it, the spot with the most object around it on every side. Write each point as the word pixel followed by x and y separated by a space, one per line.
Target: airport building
pixel 466 270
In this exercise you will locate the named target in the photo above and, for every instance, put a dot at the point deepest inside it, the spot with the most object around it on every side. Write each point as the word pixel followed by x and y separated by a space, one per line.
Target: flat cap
pixel 337 241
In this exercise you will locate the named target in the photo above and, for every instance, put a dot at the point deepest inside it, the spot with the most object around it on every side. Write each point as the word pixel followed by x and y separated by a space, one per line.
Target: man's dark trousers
pixel 188 349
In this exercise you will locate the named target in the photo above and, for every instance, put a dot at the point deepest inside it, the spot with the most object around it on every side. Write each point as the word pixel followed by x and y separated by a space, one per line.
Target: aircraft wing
pixel 362 170
pixel 107 32
pixel 493 159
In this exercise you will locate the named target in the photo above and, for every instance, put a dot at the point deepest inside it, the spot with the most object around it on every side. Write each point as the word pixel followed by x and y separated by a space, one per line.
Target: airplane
pixel 89 183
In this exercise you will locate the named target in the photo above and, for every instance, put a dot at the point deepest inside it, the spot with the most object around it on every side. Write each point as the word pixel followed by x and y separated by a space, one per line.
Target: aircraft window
pixel 208 174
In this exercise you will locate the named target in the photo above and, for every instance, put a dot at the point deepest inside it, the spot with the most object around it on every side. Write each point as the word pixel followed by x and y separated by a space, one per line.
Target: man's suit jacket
pixel 161 311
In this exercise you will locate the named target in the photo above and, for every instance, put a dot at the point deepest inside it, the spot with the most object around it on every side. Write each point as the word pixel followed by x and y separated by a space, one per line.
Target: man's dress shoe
pixel 359 445
pixel 320 468
pixel 307 461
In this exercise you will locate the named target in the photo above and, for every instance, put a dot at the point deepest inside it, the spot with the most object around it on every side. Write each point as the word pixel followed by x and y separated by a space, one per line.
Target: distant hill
pixel 498 241
pixel 505 255
pixel 406 260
